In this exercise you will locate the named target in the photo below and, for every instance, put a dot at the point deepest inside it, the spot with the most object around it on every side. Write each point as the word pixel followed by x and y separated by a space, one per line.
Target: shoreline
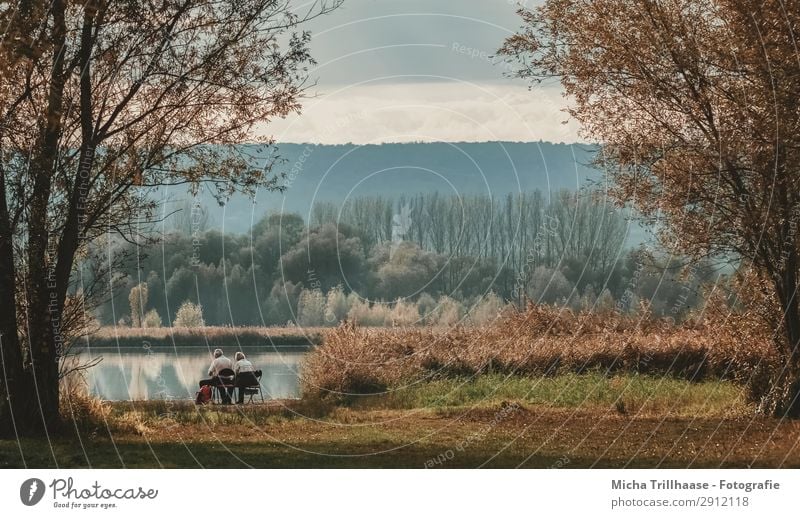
pixel 281 338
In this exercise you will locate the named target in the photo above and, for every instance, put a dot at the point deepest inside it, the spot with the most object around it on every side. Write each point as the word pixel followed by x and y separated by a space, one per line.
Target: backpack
pixel 203 395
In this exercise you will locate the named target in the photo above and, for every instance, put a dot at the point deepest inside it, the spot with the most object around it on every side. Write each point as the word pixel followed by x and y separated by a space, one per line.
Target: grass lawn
pixel 566 421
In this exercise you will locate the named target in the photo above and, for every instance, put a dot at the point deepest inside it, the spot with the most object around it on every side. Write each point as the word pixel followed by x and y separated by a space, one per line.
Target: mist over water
pixel 173 373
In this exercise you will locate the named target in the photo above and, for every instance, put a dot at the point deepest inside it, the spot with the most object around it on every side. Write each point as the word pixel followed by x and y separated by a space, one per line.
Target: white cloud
pixel 430 111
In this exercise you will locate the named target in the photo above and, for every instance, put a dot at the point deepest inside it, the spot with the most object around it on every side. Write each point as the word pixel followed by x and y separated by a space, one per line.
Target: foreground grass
pixel 490 421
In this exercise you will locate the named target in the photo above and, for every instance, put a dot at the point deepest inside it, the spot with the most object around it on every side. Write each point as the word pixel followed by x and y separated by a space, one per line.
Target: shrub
pixel 404 313
pixel 375 315
pixel 605 303
pixel 335 305
pixel 486 310
pixel 548 286
pixel 151 319
pixel 426 305
pixel 189 315
pixel 448 312
pixel 311 308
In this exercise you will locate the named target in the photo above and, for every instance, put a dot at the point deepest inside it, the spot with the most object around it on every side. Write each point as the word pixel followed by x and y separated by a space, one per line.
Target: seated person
pixel 218 364
pixel 245 375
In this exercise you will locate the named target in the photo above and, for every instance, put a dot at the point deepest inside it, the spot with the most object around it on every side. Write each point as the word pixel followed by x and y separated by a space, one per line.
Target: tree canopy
pixel 695 104
pixel 100 102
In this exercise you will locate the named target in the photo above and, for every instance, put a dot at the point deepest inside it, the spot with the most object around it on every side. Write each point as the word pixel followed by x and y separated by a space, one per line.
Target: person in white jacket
pixel 218 364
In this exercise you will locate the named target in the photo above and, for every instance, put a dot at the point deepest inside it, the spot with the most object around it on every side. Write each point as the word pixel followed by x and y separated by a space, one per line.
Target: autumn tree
pixel 101 102
pixel 137 299
pixel 696 105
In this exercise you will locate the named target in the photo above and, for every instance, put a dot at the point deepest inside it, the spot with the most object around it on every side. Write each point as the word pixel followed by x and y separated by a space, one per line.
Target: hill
pixel 334 173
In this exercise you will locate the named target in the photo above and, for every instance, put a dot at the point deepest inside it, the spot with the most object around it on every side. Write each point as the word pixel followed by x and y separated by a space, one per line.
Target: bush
pixel 486 310
pixel 448 312
pixel 189 315
pixel 375 315
pixel 311 308
pixel 152 319
pixel 403 313
pixel 426 305
pixel 548 286
pixel 605 303
pixel 335 306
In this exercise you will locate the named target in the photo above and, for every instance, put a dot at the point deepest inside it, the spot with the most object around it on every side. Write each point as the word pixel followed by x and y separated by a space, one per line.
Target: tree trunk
pixel 783 399
pixel 786 390
pixel 43 306
pixel 14 382
pixel 43 317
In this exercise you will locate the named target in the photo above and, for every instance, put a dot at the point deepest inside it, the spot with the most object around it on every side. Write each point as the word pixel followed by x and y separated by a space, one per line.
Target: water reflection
pixel 141 374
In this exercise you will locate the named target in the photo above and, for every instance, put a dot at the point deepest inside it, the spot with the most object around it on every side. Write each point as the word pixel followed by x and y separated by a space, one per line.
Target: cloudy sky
pixel 421 70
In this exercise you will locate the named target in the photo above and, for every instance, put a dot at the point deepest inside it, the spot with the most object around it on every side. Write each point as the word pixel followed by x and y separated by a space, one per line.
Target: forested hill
pixel 335 173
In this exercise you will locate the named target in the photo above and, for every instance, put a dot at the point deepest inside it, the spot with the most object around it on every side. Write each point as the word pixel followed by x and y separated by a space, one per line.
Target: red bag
pixel 203 395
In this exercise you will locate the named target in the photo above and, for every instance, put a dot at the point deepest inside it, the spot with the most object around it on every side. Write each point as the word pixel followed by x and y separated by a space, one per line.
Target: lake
pixel 173 372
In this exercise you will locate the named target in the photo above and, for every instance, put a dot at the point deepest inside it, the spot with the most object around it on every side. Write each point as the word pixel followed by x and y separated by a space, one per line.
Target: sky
pixel 420 71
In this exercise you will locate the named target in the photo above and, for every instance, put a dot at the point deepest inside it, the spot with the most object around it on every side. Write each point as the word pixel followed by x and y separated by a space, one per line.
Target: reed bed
pixel 205 336
pixel 540 341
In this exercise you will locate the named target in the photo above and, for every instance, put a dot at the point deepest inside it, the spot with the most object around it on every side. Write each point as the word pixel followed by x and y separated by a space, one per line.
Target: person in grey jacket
pixel 245 375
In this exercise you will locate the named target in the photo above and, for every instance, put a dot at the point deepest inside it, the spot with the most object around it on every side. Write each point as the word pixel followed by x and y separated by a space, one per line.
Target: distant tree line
pixel 423 259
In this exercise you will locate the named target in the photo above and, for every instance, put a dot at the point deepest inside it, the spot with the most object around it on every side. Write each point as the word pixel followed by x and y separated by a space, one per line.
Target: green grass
pixel 628 393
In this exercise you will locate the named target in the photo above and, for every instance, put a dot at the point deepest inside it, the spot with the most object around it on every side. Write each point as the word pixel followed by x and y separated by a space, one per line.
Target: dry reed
pixel 540 340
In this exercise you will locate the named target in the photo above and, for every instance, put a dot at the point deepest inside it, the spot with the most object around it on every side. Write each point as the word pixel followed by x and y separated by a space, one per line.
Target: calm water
pixel 170 373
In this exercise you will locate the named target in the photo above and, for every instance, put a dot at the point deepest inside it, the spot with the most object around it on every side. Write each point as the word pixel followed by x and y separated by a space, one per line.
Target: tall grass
pixel 163 415
pixel 539 341
pixel 78 408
